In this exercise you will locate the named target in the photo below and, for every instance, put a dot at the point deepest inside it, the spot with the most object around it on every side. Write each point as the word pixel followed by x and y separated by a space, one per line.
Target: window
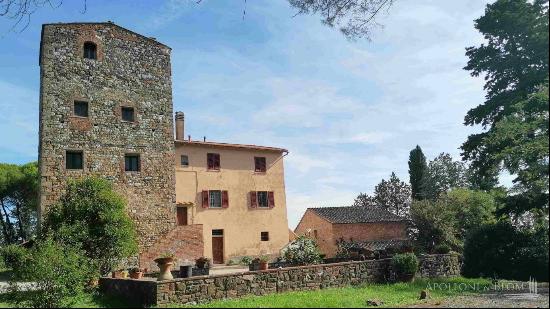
pixel 259 164
pixel 264 236
pixel 90 50
pixel 184 160
pixel 315 234
pixel 215 199
pixel 131 163
pixel 73 160
pixel 127 114
pixel 213 161
pixel 217 232
pixel 262 199
pixel 80 108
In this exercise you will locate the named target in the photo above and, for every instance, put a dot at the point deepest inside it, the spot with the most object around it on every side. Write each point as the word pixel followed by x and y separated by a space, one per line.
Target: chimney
pixel 179 126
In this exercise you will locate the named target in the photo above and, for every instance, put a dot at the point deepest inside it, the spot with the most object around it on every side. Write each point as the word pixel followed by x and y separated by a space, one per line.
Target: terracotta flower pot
pixel 136 275
pixel 264 265
pixel 118 274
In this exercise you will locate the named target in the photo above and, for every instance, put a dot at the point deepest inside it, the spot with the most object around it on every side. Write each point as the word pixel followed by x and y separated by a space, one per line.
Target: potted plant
pixel 165 263
pixel 119 274
pixel 264 259
pixel 136 273
pixel 405 266
pixel 202 262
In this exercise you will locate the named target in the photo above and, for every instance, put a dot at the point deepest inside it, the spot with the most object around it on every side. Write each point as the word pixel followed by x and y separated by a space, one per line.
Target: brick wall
pixel 203 289
pixel 184 241
pixel 328 233
pixel 325 240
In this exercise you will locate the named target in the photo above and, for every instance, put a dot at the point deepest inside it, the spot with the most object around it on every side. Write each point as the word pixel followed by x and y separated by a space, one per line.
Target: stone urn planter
pixel 165 265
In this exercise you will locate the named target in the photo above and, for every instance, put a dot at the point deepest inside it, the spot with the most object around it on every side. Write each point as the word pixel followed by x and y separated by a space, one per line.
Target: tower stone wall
pixel 129 71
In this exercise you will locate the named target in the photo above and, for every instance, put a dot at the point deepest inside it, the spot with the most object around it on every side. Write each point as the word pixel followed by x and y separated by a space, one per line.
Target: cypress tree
pixel 418 170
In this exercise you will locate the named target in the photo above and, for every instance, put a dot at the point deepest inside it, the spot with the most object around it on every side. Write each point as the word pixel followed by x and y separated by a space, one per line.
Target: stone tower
pixel 106 110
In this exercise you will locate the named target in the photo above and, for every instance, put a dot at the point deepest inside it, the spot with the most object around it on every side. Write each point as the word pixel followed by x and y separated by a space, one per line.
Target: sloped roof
pixel 379 245
pixel 227 145
pixel 356 214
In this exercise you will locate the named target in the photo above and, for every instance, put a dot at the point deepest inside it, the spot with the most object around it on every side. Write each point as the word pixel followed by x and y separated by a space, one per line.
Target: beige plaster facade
pixel 242 224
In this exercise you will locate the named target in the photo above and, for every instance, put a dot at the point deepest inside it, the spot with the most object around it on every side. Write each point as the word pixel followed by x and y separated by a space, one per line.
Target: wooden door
pixel 182 215
pixel 217 249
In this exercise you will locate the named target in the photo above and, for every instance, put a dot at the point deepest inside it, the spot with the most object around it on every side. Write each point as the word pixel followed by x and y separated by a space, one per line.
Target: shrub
pixel 302 251
pixel 14 256
pixel 503 251
pixel 405 263
pixel 246 260
pixel 92 216
pixel 59 272
pixel 442 249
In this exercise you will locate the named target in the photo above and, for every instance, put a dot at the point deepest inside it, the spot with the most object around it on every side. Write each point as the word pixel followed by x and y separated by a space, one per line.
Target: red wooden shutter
pixel 204 199
pixel 209 161
pixel 271 199
pixel 253 199
pixel 225 199
pixel 217 161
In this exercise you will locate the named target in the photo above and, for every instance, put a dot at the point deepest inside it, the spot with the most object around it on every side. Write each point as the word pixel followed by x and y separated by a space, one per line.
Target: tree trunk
pixel 9 225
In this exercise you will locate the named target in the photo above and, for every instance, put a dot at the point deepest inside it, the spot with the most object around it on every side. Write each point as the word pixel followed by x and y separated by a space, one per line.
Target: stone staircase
pixel 184 241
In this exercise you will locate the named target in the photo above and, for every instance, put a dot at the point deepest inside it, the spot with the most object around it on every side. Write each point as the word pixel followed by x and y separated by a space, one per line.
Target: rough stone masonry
pixel 129 71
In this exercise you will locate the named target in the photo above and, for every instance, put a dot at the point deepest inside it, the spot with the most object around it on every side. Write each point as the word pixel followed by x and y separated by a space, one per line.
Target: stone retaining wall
pixel 202 289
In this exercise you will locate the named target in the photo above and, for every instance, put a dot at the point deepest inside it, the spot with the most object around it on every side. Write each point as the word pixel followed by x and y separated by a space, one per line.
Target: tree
pixel 92 216
pixel 18 201
pixel 364 200
pixel 302 251
pixel 514 61
pixel 59 274
pixel 356 18
pixel 434 224
pixel 443 175
pixel 417 173
pixel 393 195
pixel 448 219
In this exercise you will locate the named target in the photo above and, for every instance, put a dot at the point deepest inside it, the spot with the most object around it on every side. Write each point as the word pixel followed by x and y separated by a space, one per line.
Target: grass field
pixel 400 294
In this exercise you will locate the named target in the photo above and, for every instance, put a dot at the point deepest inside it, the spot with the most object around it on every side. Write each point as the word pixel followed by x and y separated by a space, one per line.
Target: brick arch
pixel 89 36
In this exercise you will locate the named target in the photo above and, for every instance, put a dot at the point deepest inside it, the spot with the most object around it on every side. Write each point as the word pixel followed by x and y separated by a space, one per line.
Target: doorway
pixel 217 246
pixel 182 215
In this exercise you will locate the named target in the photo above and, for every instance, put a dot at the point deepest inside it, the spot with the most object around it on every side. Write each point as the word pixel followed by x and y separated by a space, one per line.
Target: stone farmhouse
pixel 106 110
pixel 370 229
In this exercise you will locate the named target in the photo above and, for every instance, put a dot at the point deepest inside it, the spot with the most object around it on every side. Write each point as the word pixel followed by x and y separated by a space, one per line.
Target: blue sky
pixel 349 112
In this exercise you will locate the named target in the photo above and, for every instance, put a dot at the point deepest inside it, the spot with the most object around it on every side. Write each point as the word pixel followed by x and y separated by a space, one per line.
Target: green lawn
pixel 391 294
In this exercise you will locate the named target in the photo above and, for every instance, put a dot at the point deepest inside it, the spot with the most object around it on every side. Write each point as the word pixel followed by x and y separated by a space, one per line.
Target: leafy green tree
pixel 393 195
pixel 504 251
pixel 59 274
pixel 364 200
pixel 434 224
pixel 443 175
pixel 418 170
pixel 514 61
pixel 448 219
pixel 18 201
pixel 472 209
pixel 92 216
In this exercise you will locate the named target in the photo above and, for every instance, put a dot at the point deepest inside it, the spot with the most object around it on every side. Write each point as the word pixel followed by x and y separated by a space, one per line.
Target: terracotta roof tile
pixel 356 214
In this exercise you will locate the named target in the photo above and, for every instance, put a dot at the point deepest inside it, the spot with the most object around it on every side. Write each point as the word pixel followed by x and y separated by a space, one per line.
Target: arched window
pixel 90 50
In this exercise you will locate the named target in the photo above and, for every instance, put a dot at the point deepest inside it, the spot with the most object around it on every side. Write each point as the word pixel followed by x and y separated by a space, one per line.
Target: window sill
pixel 259 173
pixel 212 170
pixel 80 117
pixel 128 121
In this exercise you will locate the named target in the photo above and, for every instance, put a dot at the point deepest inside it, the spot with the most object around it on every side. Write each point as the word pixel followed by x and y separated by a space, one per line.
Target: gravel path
pixel 502 299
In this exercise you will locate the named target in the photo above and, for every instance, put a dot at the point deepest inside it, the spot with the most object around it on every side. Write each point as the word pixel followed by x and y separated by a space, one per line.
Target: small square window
pixel 262 199
pixel 81 108
pixel 90 50
pixel 264 236
pixel 184 160
pixel 213 161
pixel 127 114
pixel 217 232
pixel 131 163
pixel 215 199
pixel 73 160
pixel 260 164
